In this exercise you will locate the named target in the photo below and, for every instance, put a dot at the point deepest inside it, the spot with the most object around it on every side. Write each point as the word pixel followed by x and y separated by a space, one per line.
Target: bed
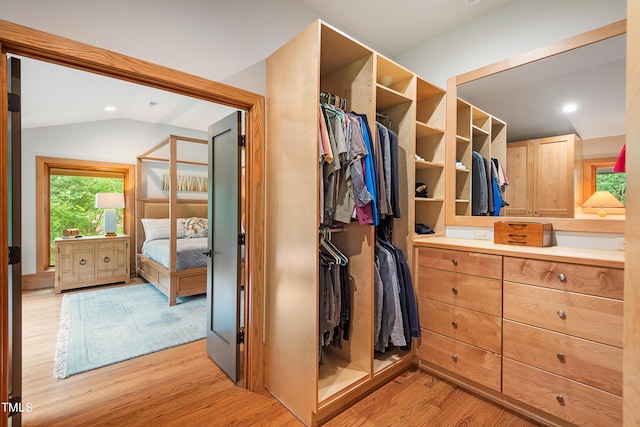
pixel 171 258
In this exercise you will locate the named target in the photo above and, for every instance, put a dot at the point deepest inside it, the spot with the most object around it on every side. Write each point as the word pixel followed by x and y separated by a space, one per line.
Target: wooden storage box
pixel 523 233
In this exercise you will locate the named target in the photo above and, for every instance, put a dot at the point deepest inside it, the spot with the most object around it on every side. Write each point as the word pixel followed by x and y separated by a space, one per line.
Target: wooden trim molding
pixel 32 282
pixel 589 169
pixel 42 46
pixel 4 237
pixel 631 346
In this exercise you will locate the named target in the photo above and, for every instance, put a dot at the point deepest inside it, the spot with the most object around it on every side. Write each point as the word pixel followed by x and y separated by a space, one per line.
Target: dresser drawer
pixel 569 400
pixel 478 264
pixel 600 281
pixel 472 327
pixel 588 362
pixel 463 359
pixel 590 317
pixel 472 292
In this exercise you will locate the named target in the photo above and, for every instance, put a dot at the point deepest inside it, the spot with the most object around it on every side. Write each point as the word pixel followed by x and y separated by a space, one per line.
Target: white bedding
pixel 189 252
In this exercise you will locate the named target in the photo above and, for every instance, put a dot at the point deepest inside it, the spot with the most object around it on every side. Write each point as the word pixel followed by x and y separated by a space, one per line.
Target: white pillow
pixel 158 228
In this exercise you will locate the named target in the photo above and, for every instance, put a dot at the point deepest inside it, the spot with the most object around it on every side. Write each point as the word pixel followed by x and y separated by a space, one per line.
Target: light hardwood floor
pixel 181 386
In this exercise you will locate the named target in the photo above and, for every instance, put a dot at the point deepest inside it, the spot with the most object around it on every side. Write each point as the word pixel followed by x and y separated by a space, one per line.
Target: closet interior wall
pixel 322 58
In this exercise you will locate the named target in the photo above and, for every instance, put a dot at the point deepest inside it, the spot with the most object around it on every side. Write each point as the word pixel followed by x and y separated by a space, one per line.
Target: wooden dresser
pixel 538 330
pixel 460 309
pixel 89 261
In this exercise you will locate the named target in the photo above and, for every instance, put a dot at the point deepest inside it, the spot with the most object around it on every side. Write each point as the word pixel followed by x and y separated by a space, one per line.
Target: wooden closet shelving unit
pixel 430 146
pixel 322 58
pixel 478 131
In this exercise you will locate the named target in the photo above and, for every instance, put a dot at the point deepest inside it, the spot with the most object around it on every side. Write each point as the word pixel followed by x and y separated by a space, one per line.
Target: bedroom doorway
pixel 41 46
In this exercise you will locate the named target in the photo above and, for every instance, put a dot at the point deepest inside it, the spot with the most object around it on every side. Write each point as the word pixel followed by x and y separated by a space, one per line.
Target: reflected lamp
pixel 110 202
pixel 602 200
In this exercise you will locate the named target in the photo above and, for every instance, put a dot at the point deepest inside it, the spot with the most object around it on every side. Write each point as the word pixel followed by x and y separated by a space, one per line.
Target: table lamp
pixel 109 202
pixel 601 200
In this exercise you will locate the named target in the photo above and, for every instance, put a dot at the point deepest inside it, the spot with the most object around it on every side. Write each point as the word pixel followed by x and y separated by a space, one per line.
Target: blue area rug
pixel 102 327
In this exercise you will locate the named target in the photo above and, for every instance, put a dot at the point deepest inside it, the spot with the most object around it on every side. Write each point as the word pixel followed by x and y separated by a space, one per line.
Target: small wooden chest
pixel 523 233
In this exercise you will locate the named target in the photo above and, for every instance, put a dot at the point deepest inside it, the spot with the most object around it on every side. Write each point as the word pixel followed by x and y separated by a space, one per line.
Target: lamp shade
pixel 602 199
pixel 109 200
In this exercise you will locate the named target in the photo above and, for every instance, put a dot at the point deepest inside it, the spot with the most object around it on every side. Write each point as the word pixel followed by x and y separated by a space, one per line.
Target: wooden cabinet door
pixel 519 192
pixel 553 186
pixel 111 258
pixel 76 262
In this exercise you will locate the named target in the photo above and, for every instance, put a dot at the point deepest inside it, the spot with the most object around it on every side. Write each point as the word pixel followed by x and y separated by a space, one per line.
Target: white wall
pixel 119 141
pixel 602 147
pixel 211 39
pixel 517 27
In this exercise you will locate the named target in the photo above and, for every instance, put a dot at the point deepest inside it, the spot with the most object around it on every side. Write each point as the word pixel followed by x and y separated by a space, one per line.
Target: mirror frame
pixel 559 224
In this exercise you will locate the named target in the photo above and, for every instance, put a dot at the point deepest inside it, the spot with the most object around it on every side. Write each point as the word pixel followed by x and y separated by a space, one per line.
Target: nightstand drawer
pixel 471 362
pixel 587 279
pixel 595 364
pixel 477 264
pixel 594 318
pixel 576 403
pixel 472 327
pixel 472 292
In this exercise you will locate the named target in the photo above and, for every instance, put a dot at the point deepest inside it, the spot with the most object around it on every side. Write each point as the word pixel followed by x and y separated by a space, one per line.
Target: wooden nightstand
pixel 89 261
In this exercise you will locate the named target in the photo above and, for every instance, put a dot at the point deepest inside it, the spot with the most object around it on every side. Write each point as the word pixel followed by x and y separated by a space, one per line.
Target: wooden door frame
pixel 28 42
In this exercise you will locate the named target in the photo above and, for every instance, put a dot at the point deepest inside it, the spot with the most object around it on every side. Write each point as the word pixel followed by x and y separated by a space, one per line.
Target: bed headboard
pixel 157 208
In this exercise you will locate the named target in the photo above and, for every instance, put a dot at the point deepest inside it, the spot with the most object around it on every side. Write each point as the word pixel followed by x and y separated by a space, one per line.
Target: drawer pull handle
pixel 454 357
pixel 455 291
pixel 106 259
pixel 562 277
pixel 454 261
pixel 83 261
pixel 560 357
pixel 561 314
pixel 560 399
pixel 454 324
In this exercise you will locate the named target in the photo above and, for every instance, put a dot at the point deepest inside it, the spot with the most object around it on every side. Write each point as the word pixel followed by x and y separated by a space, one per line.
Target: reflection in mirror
pixel 540 147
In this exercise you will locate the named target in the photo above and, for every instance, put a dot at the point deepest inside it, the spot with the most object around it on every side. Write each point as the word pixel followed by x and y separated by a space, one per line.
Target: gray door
pixel 15 236
pixel 223 272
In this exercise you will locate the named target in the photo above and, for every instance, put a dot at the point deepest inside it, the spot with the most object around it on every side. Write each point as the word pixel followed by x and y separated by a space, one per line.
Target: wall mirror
pixel 511 111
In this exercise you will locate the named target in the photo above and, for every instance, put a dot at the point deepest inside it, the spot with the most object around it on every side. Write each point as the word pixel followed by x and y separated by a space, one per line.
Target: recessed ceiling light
pixel 569 107
pixel 152 104
pixel 472 2
pixel 110 108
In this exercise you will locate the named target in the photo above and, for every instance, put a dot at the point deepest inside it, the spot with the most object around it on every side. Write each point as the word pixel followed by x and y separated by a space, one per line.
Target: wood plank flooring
pixel 181 386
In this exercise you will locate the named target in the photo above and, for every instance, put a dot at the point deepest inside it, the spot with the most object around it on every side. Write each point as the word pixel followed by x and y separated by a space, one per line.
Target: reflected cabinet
pixel 545 177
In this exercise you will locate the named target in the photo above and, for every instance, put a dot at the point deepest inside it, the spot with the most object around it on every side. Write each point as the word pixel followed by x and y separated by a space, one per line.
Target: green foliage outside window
pixel 615 183
pixel 72 205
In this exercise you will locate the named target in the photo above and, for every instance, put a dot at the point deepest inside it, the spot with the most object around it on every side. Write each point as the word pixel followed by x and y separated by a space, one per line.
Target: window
pixel 72 202
pixel 65 198
pixel 599 175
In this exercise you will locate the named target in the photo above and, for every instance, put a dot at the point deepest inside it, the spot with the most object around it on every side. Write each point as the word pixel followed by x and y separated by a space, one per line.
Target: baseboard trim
pixel 32 282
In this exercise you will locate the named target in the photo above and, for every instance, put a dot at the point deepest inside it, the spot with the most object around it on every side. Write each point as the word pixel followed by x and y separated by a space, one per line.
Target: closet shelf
pixel 387 98
pixel 336 375
pixel 462 139
pixel 479 131
pixel 423 164
pixel 463 171
pixel 424 129
pixel 462 201
pixel 429 199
